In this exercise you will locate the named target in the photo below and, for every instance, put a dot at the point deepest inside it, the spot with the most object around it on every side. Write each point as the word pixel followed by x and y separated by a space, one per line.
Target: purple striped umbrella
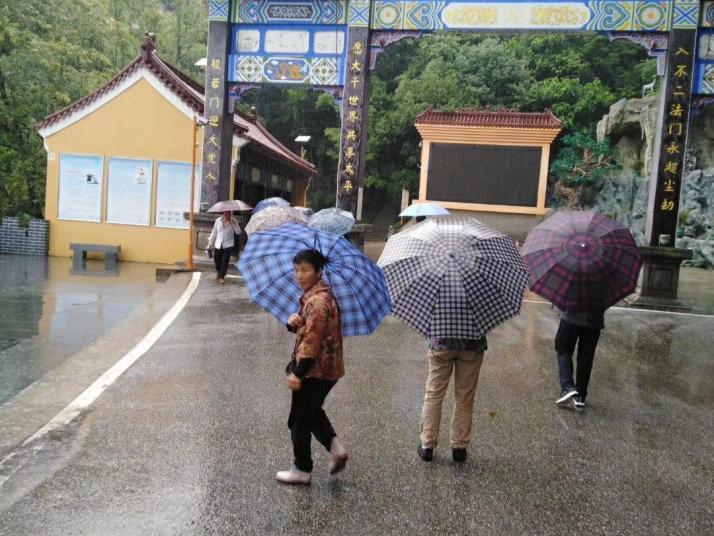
pixel 581 260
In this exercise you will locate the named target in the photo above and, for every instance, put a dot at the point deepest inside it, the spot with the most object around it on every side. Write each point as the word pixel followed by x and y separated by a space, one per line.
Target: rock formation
pixel 630 126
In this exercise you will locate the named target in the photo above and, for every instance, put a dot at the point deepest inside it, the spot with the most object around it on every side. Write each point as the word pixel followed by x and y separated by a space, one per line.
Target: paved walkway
pixel 187 441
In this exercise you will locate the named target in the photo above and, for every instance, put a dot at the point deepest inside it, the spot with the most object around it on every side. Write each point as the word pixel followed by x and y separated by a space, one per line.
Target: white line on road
pixel 635 309
pixel 93 392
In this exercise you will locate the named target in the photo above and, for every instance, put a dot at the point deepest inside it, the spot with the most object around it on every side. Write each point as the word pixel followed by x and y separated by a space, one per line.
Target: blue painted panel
pixel 704 66
pixel 288 54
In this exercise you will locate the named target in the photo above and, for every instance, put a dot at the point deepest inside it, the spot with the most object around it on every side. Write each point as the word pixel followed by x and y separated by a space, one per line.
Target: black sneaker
pixel 459 455
pixel 426 454
pixel 579 403
pixel 565 395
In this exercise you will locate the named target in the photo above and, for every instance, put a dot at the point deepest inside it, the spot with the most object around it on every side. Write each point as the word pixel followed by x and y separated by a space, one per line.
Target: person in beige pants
pixel 462 357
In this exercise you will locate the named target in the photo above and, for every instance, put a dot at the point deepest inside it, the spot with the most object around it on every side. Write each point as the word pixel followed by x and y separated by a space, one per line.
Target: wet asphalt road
pixel 188 440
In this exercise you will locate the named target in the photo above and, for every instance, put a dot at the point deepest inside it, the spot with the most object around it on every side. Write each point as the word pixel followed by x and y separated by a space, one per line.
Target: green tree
pixel 582 161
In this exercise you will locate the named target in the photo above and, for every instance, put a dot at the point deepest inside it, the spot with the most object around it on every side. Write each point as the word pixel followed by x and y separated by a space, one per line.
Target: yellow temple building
pixel 119 163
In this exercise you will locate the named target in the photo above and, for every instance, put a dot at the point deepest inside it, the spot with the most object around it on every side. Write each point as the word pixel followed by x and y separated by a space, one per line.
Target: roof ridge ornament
pixel 148 45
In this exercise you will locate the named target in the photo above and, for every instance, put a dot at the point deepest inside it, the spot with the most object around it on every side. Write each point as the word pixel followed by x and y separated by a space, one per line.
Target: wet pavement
pixel 188 440
pixel 48 314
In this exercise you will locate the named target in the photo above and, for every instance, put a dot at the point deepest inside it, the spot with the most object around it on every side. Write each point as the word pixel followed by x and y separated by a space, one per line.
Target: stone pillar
pixel 353 141
pixel 659 279
pixel 218 130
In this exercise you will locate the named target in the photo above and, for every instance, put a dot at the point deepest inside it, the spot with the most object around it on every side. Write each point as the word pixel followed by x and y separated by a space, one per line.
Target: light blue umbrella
pixel 358 284
pixel 333 220
pixel 270 202
pixel 423 209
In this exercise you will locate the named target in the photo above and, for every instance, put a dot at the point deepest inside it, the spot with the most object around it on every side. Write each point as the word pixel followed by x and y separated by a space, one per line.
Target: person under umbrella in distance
pixel 221 243
pixel 583 263
pixel 314 369
pixel 452 279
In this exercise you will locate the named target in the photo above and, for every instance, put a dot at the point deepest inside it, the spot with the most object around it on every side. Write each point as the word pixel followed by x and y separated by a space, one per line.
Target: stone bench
pixel 79 255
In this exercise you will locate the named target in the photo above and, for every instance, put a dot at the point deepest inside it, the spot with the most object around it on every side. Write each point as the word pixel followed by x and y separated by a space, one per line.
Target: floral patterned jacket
pixel 320 335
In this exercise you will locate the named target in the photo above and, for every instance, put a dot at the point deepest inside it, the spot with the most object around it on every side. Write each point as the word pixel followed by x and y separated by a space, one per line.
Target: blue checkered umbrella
pixel 270 202
pixel 333 220
pixel 357 283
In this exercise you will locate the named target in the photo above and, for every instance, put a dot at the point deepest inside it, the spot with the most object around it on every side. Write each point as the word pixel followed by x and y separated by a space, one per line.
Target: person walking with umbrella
pixel 322 288
pixel 221 243
pixel 583 263
pixel 314 369
pixel 453 279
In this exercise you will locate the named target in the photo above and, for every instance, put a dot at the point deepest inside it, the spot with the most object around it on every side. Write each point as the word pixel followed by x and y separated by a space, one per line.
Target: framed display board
pixel 129 192
pixel 173 189
pixel 484 174
pixel 80 187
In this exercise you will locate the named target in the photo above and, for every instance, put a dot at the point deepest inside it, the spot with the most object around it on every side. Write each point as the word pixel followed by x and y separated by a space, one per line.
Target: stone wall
pixel 630 127
pixel 31 240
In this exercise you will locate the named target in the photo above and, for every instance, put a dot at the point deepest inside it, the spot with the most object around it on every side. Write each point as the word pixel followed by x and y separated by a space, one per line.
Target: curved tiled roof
pixel 490 118
pixel 191 93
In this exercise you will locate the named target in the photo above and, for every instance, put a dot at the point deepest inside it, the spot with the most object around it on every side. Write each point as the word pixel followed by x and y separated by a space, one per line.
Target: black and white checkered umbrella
pixel 453 277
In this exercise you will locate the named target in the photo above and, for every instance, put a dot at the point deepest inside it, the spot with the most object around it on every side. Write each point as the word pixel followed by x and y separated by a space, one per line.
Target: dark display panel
pixel 486 174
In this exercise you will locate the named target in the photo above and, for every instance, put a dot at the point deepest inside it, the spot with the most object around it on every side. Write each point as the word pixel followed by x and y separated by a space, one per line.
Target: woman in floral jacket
pixel 314 369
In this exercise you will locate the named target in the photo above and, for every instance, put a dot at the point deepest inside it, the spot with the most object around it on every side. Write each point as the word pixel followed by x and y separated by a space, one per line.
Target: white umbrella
pixel 424 209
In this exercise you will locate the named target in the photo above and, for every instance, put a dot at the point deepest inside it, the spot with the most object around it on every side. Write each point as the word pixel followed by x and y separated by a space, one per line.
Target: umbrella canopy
pixel 273 217
pixel 357 283
pixel 424 209
pixel 270 202
pixel 581 260
pixel 333 220
pixel 234 205
pixel 453 277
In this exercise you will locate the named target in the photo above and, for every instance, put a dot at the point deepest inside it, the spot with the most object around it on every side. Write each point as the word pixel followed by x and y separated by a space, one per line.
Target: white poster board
pixel 129 193
pixel 80 187
pixel 173 189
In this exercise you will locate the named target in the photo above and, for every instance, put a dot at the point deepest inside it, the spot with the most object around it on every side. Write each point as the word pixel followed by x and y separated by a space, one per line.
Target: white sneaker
pixel 565 395
pixel 293 476
pixel 339 457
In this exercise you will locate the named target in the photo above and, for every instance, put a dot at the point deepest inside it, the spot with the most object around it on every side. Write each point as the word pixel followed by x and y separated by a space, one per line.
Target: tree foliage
pixel 582 161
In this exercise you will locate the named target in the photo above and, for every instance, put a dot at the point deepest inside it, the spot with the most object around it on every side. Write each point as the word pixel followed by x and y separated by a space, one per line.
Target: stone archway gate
pixel 331 45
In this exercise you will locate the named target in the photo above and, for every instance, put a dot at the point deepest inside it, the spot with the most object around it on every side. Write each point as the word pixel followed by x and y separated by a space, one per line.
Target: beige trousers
pixel 466 366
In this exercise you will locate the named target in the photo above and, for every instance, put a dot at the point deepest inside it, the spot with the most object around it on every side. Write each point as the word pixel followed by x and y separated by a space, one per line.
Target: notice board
pixel 173 193
pixel 129 194
pixel 484 174
pixel 80 187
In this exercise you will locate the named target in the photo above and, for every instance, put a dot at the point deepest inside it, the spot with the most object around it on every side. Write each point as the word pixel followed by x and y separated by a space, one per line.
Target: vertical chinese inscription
pixel 678 89
pixel 218 129
pixel 353 138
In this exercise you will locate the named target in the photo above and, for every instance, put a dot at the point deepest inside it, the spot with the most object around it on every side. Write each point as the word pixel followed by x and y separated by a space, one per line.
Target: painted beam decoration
pixel 430 15
pixel 674 134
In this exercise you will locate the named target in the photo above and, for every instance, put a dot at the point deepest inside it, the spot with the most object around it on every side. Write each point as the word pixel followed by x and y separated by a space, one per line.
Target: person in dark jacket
pixel 581 329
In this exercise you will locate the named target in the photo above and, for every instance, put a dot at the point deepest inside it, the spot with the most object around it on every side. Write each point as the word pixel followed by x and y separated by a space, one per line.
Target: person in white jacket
pixel 222 243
